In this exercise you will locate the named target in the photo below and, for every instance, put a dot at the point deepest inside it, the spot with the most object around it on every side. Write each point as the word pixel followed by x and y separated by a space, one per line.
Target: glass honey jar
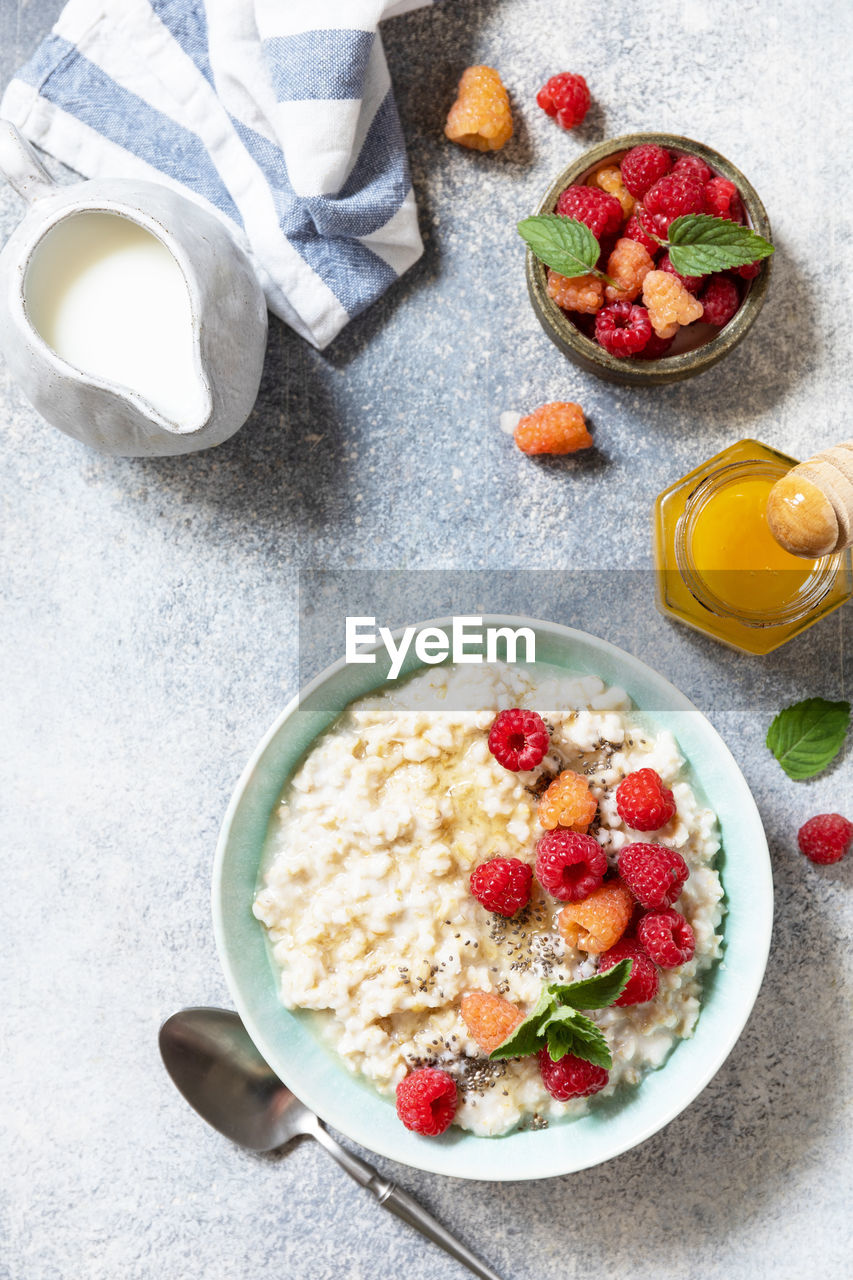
pixel 718 567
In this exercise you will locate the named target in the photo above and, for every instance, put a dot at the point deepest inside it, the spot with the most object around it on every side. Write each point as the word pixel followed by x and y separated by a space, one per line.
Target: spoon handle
pixel 403 1206
pixel 400 1204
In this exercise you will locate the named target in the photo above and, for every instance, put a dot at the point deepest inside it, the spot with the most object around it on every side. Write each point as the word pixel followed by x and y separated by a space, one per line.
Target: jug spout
pixel 20 165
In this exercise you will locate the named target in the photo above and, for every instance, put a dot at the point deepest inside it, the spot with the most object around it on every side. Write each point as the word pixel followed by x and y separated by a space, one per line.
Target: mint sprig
pixel 807 736
pixel 564 244
pixel 699 244
pixel 557 1022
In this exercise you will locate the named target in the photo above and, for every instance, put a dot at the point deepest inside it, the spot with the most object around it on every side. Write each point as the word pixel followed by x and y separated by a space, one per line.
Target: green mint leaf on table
pixel 555 1020
pixel 807 736
pixel 699 244
pixel 564 244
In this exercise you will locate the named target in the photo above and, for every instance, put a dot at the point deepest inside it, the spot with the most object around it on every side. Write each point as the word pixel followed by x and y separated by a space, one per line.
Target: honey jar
pixel 719 568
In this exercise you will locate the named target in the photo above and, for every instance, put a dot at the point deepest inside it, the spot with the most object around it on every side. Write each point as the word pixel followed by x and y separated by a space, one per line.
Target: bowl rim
pixel 576 345
pixel 326 1085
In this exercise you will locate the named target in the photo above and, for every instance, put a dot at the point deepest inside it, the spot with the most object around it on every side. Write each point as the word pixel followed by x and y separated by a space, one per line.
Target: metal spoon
pixel 212 1060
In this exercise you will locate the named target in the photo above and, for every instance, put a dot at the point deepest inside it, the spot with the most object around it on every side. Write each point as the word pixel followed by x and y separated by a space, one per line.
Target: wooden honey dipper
pixel 810 510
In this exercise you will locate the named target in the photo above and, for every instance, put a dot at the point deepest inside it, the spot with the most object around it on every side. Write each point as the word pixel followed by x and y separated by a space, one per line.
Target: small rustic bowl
pixel 588 354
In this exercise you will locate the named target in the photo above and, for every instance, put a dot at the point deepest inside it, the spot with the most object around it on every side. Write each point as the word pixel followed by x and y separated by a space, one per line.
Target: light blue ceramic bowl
pixel 613 1125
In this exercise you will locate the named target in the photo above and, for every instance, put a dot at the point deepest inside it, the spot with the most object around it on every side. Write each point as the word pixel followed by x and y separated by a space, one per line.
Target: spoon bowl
pixel 215 1065
pixel 212 1061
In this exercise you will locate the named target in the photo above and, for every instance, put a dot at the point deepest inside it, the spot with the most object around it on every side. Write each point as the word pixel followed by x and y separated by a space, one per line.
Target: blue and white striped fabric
pixel 277 113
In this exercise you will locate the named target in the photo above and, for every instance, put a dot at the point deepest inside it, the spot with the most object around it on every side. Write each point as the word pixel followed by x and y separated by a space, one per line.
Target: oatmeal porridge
pixel 366 896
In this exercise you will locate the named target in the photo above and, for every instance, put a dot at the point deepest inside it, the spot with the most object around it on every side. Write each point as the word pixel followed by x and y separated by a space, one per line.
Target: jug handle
pixel 20 165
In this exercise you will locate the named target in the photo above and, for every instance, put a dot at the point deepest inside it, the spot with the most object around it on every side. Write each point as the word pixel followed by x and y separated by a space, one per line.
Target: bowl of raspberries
pixel 648 259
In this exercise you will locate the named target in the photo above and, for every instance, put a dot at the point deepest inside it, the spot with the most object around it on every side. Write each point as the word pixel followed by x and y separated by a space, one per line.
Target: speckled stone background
pixel 150 636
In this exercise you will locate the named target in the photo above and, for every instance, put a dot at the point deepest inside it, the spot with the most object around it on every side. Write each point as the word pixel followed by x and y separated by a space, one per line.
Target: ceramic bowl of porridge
pixel 356 951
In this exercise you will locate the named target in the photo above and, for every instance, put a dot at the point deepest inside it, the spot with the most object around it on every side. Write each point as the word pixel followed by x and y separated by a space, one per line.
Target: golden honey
pixel 719 568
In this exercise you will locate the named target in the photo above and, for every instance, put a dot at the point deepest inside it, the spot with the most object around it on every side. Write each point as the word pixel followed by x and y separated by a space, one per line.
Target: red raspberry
pixel 643 982
pixel 623 329
pixel 672 197
pixel 654 874
pixel 502 885
pixel 601 212
pixel 635 230
pixel 643 166
pixel 747 272
pixel 690 282
pixel 667 937
pixel 692 167
pixel 825 838
pixel 720 300
pixel 519 739
pixel 569 864
pixel 722 200
pixel 570 1077
pixel 643 802
pixel 426 1101
pixel 655 348
pixel 565 96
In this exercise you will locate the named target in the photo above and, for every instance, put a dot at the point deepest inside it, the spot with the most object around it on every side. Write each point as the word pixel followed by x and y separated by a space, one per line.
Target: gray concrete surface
pixel 150 634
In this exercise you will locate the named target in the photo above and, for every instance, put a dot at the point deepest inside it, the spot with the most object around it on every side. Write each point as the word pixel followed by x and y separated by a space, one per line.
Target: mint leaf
pixel 700 244
pixel 565 244
pixel 529 1035
pixel 582 1038
pixel 555 1020
pixel 598 991
pixel 807 736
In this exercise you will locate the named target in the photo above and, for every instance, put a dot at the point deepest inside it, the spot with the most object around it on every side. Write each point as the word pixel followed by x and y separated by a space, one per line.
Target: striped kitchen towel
pixel 278 114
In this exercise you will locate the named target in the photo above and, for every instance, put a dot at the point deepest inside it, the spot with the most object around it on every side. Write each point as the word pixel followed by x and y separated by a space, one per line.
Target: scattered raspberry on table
pixel 480 118
pixel 825 838
pixel 565 97
pixel 667 937
pixel 570 1077
pixel 426 1101
pixel 643 982
pixel 554 428
pixel 569 865
pixel 643 802
pixel 502 885
pixel 654 874
pixel 519 739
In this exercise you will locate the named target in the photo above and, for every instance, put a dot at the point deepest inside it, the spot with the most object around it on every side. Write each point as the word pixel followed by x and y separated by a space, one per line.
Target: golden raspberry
pixel 480 118
pixel 609 179
pixel 669 303
pixel 489 1018
pixel 576 293
pixel 598 922
pixel 628 265
pixel 554 428
pixel 567 803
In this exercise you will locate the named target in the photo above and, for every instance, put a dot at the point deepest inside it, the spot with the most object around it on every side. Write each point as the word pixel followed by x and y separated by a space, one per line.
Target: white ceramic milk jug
pixel 128 315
